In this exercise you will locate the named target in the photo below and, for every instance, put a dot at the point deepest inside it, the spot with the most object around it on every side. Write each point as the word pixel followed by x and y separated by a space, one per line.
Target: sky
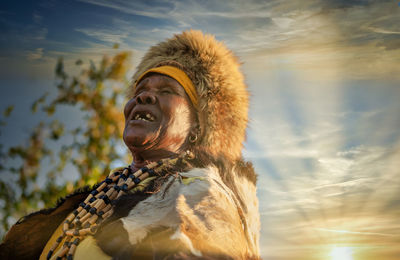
pixel 324 78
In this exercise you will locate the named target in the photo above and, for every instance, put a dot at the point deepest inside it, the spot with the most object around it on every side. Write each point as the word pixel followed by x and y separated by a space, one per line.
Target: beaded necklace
pixel 97 206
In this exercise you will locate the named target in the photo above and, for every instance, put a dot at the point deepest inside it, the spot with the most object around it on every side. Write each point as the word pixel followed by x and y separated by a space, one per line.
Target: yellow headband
pixel 180 76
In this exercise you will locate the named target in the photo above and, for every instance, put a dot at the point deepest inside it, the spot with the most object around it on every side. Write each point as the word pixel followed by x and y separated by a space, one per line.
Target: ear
pixel 194 133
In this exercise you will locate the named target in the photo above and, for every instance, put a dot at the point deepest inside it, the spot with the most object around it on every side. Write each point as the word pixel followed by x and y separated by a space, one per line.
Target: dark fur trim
pixel 27 238
pixel 60 201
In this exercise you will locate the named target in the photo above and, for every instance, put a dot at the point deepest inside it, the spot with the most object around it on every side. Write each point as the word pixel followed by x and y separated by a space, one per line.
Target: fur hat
pixel 222 93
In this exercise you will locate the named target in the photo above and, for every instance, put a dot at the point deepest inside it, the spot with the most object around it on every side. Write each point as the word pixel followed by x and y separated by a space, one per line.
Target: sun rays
pixel 324 117
pixel 326 174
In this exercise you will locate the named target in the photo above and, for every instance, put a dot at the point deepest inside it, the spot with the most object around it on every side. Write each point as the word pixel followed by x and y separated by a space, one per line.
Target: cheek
pixel 128 107
pixel 180 121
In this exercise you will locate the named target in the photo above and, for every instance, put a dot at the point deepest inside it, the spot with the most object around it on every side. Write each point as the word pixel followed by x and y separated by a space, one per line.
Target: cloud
pixel 36 54
pixel 39 34
pixel 111 36
pixel 144 8
pixel 343 193
pixel 320 149
pixel 37 18
pixel 384 31
pixel 357 233
pixel 324 119
pixel 309 35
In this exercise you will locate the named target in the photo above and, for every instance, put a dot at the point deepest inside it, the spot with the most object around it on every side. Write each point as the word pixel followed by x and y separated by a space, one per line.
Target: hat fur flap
pixel 215 73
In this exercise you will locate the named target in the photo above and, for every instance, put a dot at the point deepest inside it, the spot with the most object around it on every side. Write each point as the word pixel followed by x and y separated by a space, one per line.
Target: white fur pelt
pixel 203 216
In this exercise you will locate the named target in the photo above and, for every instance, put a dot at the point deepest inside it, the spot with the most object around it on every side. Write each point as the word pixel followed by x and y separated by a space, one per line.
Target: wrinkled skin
pixel 172 120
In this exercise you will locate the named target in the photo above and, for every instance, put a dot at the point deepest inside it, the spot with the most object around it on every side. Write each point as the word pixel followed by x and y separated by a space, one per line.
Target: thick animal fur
pixel 215 72
pixel 27 238
pixel 213 216
pixel 203 216
pixel 237 177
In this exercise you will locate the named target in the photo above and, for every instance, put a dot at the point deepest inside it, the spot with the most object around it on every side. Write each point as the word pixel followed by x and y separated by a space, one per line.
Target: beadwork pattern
pixel 97 206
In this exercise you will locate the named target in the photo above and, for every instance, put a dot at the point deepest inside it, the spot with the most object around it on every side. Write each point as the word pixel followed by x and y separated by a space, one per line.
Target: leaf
pixel 41 100
pixel 119 67
pixel 60 69
pixel 57 130
pixel 50 110
pixel 8 111
pixel 90 149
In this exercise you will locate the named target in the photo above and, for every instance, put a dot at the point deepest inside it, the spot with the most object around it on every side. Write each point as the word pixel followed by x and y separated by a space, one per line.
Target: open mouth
pixel 144 116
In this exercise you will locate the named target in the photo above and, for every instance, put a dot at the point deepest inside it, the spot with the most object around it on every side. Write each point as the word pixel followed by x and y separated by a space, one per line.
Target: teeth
pixel 150 117
pixel 146 117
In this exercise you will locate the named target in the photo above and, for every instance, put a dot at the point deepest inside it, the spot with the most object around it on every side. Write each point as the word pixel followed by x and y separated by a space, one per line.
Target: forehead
pixel 155 80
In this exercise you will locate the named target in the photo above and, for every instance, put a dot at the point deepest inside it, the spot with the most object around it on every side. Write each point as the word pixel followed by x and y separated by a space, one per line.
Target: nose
pixel 146 97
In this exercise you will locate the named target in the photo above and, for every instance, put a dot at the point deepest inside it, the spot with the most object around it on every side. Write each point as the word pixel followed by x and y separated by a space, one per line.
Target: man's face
pixel 159 116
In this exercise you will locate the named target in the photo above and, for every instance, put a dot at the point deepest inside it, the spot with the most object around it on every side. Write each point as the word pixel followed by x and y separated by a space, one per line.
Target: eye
pixel 166 91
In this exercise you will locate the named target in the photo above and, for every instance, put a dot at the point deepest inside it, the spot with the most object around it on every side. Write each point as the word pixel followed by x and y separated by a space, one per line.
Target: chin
pixel 135 141
pixel 138 141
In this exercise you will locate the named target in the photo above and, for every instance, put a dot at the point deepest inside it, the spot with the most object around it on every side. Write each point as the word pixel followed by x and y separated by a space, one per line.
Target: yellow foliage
pixel 91 148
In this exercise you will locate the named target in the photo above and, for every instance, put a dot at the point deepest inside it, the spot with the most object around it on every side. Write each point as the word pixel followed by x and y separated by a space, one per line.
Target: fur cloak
pixel 208 212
